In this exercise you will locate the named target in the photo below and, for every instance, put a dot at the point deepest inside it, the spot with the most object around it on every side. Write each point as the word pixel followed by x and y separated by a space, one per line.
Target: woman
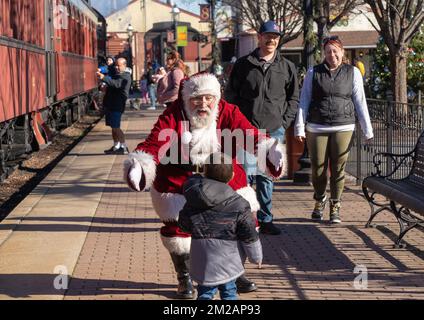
pixel 169 84
pixel 332 94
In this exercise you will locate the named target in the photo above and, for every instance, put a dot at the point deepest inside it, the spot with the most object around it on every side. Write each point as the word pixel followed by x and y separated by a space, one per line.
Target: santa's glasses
pixel 199 100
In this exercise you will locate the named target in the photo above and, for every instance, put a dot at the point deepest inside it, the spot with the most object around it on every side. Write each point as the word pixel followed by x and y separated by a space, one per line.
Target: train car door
pixel 51 55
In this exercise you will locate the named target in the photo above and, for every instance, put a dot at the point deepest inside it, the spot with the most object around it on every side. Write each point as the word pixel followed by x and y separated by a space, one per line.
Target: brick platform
pixel 122 256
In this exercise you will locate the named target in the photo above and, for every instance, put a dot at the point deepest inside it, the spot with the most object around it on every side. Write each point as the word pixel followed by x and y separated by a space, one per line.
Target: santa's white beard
pixel 198 121
pixel 204 139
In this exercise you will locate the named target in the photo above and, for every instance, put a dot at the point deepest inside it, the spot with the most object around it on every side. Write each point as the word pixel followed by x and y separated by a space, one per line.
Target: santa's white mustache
pixel 208 111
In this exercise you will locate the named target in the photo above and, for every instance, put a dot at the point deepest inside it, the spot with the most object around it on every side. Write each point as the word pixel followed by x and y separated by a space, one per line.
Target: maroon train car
pixel 48 56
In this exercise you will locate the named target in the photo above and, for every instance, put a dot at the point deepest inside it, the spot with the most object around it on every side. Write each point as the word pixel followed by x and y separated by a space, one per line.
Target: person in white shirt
pixel 332 97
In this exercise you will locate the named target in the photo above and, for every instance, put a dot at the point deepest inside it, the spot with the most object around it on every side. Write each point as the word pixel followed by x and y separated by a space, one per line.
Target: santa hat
pixel 201 84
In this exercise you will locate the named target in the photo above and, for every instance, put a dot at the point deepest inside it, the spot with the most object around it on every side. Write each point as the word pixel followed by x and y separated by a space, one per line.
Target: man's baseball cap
pixel 269 27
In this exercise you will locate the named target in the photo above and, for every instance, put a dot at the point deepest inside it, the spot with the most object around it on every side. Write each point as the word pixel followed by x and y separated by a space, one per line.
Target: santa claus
pixel 179 144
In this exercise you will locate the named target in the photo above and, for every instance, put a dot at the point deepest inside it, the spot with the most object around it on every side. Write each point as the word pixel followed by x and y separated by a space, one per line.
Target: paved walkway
pixel 82 219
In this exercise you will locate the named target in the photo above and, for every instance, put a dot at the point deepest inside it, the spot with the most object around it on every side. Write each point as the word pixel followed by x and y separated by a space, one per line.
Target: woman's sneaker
pixel 335 211
pixel 319 208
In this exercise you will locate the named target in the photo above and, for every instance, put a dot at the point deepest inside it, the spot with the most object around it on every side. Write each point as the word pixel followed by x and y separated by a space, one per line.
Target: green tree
pixel 398 22
pixel 379 81
pixel 415 74
pixel 381 76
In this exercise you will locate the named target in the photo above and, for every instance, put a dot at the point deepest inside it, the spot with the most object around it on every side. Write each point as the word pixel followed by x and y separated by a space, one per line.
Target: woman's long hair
pixel 179 63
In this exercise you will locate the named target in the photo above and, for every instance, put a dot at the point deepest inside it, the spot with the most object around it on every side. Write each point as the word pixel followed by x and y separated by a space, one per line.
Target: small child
pixel 218 219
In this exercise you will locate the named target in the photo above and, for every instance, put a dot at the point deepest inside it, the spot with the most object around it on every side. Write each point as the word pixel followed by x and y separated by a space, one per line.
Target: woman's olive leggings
pixel 328 149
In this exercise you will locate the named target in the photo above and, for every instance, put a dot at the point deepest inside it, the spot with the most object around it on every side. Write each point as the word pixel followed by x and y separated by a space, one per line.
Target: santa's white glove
pixel 275 155
pixel 133 174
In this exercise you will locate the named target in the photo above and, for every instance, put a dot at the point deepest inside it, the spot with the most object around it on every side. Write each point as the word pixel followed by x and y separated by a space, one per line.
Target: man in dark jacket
pixel 219 220
pixel 264 86
pixel 118 90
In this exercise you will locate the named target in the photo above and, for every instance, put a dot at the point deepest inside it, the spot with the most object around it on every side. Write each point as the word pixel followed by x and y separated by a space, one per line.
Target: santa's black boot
pixel 244 285
pixel 182 266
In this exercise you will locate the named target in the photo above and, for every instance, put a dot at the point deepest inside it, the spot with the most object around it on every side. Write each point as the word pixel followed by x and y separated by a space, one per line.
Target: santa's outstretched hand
pixel 275 159
pixel 275 155
pixel 133 175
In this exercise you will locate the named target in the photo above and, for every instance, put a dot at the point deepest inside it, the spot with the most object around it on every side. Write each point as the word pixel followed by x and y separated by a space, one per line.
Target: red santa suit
pixel 173 131
pixel 179 145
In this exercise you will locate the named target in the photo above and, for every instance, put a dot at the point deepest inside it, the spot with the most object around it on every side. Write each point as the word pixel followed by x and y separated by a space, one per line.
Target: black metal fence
pixel 396 129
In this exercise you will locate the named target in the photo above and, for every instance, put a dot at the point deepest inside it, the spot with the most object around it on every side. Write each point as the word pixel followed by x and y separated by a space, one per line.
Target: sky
pixel 105 7
pixel 190 5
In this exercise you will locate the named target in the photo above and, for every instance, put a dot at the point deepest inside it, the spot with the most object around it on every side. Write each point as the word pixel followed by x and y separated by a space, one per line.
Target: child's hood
pixel 203 193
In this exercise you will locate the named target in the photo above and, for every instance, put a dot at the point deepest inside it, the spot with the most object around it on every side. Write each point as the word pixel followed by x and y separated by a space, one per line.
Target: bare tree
pixel 328 13
pixel 398 22
pixel 289 15
pixel 286 13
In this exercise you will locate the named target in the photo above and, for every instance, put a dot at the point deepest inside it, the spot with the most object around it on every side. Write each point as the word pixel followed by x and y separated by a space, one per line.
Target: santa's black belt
pixel 198 168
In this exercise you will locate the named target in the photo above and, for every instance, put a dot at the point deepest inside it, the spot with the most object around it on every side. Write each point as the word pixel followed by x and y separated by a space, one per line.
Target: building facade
pixel 152 34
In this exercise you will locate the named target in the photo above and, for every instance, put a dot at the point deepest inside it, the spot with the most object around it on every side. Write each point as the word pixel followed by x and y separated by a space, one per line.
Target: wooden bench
pixel 404 196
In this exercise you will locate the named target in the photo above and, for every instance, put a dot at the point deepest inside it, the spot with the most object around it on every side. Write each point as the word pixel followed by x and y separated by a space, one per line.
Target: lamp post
pixel 175 18
pixel 214 40
pixel 199 38
pixel 304 174
pixel 130 33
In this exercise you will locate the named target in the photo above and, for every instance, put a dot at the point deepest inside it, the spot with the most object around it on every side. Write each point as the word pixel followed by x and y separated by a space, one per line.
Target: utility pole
pixel 304 175
pixel 214 38
pixel 308 33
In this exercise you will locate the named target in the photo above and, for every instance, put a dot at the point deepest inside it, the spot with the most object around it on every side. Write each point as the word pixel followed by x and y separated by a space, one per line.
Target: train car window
pixel 87 38
pixel 90 49
pixel 29 7
pixel 69 31
pixel 86 33
pixel 5 16
pixel 13 19
pixel 39 16
pixel 93 39
pixel 23 21
pixel 73 31
pixel 64 30
pixel 2 16
pixel 80 33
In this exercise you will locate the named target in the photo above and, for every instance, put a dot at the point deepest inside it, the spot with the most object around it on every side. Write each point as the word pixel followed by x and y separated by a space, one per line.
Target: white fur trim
pixel 200 84
pixel 147 163
pixel 167 205
pixel 177 245
pixel 250 195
